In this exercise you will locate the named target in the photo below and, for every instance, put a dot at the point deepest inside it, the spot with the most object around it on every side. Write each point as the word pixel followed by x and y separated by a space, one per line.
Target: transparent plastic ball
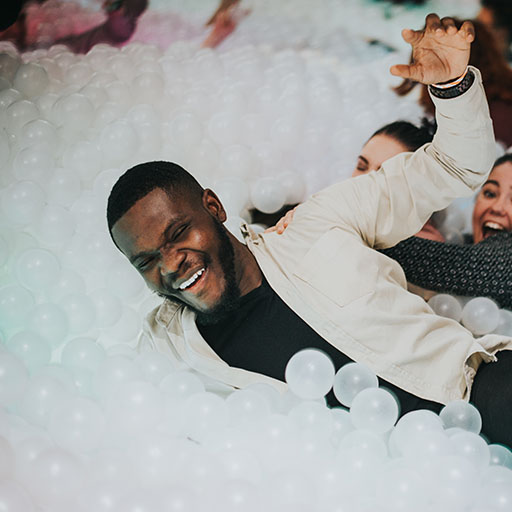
pixel 77 424
pixel 18 114
pixel 83 353
pixel 75 112
pixel 50 321
pixel 446 305
pixel 118 142
pixel 463 415
pixel 80 312
pixel 309 374
pixel 374 409
pixel 31 79
pixel 34 164
pixel 108 306
pixel 154 366
pixel 204 413
pixel 39 133
pixel 14 497
pixel 181 384
pixel 13 379
pixel 500 456
pixel 246 406
pixel 472 447
pixel 313 417
pixel 23 201
pixel 350 380
pixel 480 315
pixel 505 323
pixel 16 303
pixel 37 269
pixel 30 348
pixel 268 195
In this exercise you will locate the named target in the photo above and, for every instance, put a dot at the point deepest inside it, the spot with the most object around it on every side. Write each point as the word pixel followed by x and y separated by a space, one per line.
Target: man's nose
pixel 171 261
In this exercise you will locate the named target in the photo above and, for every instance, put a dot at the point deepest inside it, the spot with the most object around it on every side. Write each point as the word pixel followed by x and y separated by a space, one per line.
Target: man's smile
pixel 193 281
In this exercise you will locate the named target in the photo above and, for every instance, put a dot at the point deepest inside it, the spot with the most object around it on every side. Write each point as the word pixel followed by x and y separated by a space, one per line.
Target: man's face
pixel 181 249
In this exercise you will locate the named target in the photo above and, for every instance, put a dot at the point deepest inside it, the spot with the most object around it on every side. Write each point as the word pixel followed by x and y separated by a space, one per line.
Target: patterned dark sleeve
pixel 477 270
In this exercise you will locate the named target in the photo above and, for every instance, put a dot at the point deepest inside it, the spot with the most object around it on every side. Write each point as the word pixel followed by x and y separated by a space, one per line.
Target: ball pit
pixel 276 113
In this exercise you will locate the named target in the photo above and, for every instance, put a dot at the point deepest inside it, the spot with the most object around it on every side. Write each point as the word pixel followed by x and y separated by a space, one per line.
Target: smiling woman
pixel 483 268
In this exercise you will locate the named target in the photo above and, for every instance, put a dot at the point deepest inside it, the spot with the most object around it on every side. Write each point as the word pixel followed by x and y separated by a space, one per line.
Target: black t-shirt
pixel 264 333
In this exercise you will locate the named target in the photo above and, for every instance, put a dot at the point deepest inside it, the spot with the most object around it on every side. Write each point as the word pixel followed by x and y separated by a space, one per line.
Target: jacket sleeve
pixel 477 270
pixel 387 206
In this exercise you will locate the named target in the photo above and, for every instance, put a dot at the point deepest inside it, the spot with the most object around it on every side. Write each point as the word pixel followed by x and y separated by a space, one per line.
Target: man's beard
pixel 230 297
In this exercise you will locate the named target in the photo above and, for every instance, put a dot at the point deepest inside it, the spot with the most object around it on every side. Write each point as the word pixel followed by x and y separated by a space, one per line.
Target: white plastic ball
pixel 13 379
pixel 374 409
pixel 34 164
pixel 63 187
pixel 473 448
pixel 118 142
pixel 30 348
pixel 309 374
pixel 22 202
pixel 77 424
pixel 154 366
pixel 505 323
pixel 181 384
pixel 18 114
pixel 108 306
pixel 500 456
pixel 313 418
pixel 31 79
pixel 39 133
pixel 134 407
pixel 14 498
pixel 463 415
pixel 75 112
pixel 80 312
pixel 350 380
pixel 55 476
pixel 55 226
pixel 446 305
pixel 246 406
pixel 204 413
pixel 233 193
pixel 83 353
pixel 268 195
pixel 50 321
pixel 480 315
pixel 15 304
pixel 37 269
pixel 42 394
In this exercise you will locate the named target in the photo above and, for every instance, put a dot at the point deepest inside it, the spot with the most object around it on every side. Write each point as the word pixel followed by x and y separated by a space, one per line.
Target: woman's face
pixel 376 151
pixel 493 206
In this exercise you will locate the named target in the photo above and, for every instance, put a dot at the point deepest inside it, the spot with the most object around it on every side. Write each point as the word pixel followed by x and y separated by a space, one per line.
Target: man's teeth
pixel 192 280
pixel 493 225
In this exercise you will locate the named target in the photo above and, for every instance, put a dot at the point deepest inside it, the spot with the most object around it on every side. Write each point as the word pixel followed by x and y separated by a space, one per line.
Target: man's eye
pixel 144 265
pixel 489 194
pixel 179 232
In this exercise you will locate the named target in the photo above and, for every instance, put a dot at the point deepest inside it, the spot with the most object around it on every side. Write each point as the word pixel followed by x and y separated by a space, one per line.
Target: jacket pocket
pixel 340 267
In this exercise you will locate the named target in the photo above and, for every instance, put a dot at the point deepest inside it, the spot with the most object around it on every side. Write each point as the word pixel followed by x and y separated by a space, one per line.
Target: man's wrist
pixel 454 88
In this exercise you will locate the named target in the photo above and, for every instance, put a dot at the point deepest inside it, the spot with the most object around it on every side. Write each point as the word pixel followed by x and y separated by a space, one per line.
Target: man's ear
pixel 213 205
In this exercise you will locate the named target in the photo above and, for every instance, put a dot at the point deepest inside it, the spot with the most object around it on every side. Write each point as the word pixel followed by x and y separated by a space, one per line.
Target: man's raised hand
pixel 440 52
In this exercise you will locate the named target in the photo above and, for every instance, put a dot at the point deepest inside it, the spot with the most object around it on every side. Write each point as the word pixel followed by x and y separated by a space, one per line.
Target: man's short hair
pixel 142 179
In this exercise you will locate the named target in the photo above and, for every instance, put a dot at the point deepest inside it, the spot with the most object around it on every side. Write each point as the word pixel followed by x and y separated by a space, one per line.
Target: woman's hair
pixel 408 134
pixel 507 157
pixel 485 55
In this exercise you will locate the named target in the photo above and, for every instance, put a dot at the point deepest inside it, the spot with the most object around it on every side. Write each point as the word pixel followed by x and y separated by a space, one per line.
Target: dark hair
pixel 140 180
pixel 507 157
pixel 408 134
pixel 502 12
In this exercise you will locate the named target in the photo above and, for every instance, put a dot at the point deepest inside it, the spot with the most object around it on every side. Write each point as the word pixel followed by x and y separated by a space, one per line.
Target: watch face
pixel 113 5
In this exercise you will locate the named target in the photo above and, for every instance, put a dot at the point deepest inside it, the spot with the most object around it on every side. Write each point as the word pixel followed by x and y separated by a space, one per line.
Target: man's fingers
pixel 449 25
pixel 403 70
pixel 468 31
pixel 411 36
pixel 432 22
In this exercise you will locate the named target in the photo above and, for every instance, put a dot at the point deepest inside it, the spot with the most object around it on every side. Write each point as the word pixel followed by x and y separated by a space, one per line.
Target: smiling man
pixel 237 312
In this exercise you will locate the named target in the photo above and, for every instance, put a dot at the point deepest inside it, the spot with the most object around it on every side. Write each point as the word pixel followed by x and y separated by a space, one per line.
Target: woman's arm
pixel 480 270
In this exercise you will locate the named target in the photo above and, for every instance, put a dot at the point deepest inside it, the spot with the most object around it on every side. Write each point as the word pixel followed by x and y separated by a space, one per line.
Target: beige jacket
pixel 326 269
